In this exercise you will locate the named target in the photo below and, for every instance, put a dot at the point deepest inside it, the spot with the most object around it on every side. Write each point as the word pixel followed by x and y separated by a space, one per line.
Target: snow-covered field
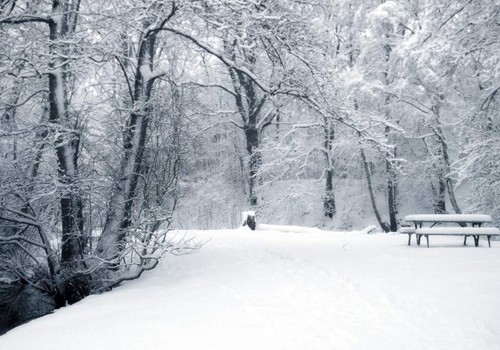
pixel 271 289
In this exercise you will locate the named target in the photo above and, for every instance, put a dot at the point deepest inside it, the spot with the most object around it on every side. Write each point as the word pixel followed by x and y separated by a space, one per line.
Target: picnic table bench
pixel 475 230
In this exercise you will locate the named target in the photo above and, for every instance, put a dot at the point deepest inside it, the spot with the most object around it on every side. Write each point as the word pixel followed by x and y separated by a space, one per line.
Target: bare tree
pixel 61 22
pixel 119 217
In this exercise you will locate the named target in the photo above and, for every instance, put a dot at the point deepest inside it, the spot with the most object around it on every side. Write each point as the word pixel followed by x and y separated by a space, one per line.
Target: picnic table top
pixel 448 218
pixel 490 231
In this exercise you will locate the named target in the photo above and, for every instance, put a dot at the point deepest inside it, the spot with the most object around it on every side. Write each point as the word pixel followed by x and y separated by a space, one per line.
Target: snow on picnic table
pixel 448 218
pixel 270 289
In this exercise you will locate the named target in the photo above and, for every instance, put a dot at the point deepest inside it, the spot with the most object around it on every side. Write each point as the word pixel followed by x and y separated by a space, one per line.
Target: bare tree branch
pixel 9 106
pixel 26 19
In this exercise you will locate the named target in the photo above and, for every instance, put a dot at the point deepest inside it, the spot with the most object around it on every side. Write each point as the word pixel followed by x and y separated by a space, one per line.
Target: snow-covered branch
pixel 26 19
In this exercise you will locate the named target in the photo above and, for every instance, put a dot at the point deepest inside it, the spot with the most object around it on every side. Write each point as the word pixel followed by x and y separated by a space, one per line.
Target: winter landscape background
pixel 125 125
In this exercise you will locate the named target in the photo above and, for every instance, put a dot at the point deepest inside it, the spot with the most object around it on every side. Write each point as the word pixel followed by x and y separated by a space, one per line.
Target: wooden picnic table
pixel 475 230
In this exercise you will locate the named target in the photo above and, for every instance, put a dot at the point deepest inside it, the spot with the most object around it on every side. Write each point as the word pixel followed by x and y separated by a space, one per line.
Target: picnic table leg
pixel 465 240
pixel 489 241
pixel 418 238
pixel 427 238
pixel 409 235
pixel 476 240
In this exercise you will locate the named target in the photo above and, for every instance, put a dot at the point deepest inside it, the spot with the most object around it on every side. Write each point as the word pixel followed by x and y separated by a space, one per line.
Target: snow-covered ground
pixel 272 289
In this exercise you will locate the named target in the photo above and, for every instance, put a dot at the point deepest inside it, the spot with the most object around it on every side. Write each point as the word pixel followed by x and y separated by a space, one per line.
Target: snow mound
pixel 283 228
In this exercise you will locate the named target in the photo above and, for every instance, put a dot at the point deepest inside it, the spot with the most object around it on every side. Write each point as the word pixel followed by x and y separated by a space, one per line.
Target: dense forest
pixel 120 119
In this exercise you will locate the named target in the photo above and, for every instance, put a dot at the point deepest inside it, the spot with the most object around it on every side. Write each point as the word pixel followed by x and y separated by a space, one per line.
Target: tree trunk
pixel 445 157
pixel 329 208
pixel 440 200
pixel 252 140
pixel 439 193
pixel 392 196
pixel 8 121
pixel 118 219
pixel 249 107
pixel 382 224
pixel 67 151
pixel 449 181
pixel 391 172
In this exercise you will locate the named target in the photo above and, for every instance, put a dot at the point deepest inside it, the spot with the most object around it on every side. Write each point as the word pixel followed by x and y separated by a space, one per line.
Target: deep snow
pixel 270 289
